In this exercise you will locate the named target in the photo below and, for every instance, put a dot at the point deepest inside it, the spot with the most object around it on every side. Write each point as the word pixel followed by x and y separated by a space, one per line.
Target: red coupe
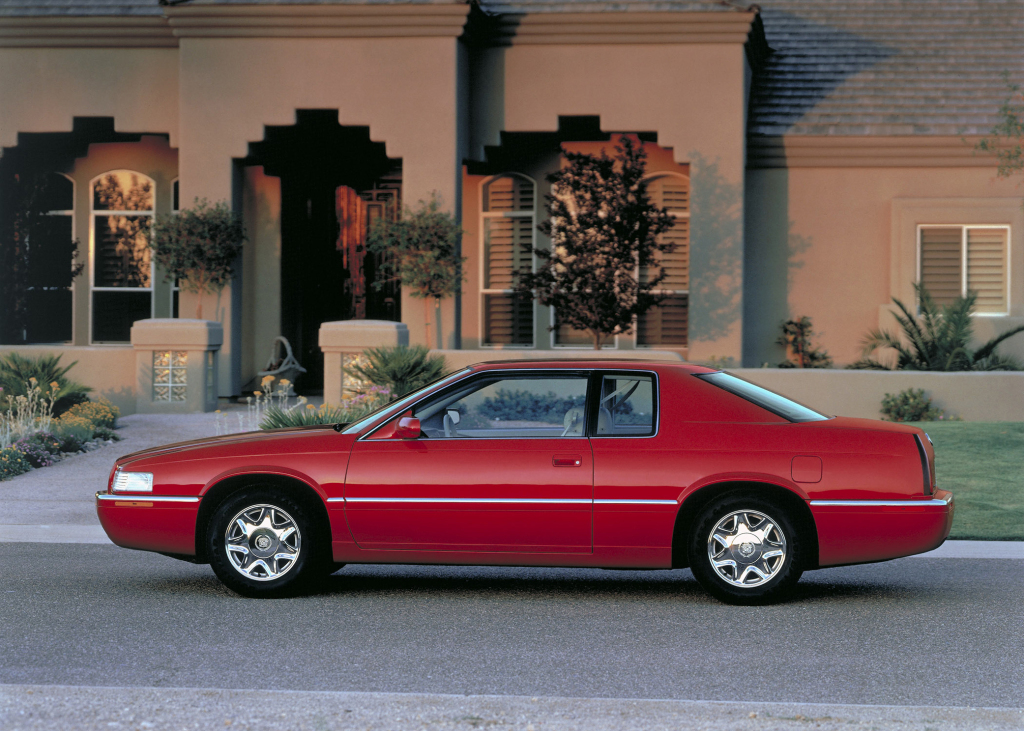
pixel 611 464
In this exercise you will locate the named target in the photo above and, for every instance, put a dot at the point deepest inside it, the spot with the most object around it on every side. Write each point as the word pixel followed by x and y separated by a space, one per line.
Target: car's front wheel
pixel 745 549
pixel 262 543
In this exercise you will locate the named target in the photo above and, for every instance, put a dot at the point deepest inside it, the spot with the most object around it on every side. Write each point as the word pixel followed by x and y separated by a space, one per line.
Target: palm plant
pixel 937 340
pixel 17 374
pixel 400 369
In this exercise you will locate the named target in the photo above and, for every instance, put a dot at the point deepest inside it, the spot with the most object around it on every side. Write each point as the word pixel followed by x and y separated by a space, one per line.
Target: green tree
pixel 421 251
pixel 198 247
pixel 936 340
pixel 604 229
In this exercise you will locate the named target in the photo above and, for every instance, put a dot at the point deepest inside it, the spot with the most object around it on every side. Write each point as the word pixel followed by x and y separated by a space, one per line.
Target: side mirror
pixel 408 428
pixel 454 415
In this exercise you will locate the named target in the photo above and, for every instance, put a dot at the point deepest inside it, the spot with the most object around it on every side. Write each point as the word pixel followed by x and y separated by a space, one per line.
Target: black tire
pixel 738 514
pixel 269 512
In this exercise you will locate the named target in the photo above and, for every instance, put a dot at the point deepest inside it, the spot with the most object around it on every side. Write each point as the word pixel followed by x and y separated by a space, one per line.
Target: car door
pixel 502 464
pixel 635 470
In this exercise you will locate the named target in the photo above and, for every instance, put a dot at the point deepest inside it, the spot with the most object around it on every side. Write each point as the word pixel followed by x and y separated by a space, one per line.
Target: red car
pixel 611 464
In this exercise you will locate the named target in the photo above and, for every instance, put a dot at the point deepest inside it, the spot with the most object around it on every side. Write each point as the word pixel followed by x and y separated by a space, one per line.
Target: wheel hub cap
pixel 262 542
pixel 747 548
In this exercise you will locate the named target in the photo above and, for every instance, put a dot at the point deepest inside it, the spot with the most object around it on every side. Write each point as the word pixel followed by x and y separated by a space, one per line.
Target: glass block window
pixel 509 221
pixel 122 273
pixel 666 324
pixel 170 369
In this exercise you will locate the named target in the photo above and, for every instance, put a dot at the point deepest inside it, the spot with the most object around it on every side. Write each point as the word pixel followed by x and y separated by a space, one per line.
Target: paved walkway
pixel 64 494
pixel 57 504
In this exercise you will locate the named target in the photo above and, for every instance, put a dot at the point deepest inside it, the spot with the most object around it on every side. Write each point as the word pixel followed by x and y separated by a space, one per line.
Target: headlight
pixel 133 482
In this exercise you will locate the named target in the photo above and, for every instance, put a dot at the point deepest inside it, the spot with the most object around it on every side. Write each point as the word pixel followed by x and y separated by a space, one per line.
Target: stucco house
pixel 817 156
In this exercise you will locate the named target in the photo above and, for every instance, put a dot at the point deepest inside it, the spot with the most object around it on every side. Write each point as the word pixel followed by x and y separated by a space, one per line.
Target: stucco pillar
pixel 176 365
pixel 344 341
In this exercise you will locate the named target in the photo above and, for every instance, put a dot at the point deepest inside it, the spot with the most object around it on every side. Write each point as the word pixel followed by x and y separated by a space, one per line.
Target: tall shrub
pixel 198 247
pixel 604 228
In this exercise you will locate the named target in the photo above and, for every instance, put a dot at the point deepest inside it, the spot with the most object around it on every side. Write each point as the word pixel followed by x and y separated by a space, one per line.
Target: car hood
pixel 252 437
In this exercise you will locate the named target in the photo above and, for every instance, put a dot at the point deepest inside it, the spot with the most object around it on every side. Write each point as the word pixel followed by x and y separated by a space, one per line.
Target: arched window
pixel 666 324
pixel 122 273
pixel 509 220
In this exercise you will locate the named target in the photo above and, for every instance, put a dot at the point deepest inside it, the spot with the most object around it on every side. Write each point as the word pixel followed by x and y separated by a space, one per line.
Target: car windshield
pixel 395 406
pixel 769 400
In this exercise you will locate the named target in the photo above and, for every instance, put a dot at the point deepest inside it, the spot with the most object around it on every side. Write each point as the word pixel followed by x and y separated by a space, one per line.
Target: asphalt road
pixel 921 632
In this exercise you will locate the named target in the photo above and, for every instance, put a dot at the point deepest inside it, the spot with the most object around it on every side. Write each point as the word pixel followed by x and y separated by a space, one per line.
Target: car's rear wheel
pixel 262 543
pixel 745 549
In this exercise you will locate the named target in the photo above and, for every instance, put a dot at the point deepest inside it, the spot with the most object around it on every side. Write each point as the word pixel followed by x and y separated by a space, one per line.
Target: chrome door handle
pixel 567 460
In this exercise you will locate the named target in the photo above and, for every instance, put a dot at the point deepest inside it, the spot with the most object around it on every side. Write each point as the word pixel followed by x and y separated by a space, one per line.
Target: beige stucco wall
pixel 261 270
pixel 997 396
pixel 836 243
pixel 692 95
pixel 108 369
pixel 404 89
pixel 44 88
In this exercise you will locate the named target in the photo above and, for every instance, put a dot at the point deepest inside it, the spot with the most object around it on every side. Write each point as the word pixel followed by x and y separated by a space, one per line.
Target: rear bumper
pixel 162 523
pixel 861 531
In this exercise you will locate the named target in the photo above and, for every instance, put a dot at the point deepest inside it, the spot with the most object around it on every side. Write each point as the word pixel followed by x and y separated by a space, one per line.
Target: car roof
pixel 596 363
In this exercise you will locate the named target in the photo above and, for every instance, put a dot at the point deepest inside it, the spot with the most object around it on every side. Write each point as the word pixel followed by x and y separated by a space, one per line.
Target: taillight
pixel 927 470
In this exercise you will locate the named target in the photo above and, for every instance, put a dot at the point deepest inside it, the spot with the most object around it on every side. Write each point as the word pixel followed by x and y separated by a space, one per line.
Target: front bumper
pixel 861 531
pixel 162 523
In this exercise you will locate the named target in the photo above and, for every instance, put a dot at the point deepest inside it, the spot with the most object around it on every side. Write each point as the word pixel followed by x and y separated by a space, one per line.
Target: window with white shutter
pixel 508 225
pixel 955 260
pixel 666 324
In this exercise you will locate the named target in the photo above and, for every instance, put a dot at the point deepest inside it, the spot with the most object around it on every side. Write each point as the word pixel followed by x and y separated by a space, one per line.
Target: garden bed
pixel 983 465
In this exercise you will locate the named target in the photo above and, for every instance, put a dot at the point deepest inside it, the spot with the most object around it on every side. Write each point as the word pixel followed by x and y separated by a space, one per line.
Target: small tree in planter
pixel 421 252
pixel 198 247
pixel 800 350
pixel 604 228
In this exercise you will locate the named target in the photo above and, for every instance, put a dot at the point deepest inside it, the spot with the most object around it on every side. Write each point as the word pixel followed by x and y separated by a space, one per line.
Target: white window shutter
pixel 941 262
pixel 986 268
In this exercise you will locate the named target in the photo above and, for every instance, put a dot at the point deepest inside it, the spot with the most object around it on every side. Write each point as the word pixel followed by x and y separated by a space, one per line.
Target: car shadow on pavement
pixel 471 583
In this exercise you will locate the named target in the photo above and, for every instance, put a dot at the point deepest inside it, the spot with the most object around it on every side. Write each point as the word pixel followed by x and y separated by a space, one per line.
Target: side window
pixel 508 407
pixel 627 406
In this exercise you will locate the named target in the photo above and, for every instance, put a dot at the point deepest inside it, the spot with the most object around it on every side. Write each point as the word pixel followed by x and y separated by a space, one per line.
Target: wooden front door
pixel 356 212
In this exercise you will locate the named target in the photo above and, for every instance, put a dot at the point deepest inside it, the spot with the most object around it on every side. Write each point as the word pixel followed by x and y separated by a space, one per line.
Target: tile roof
pixel 886 67
pixel 37 8
pixel 502 7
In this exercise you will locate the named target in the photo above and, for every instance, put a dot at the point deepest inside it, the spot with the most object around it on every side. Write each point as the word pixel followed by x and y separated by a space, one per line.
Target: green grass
pixel 983 465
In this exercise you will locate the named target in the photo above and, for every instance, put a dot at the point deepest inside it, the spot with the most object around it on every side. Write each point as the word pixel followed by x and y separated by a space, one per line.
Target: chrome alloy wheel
pixel 262 542
pixel 747 548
